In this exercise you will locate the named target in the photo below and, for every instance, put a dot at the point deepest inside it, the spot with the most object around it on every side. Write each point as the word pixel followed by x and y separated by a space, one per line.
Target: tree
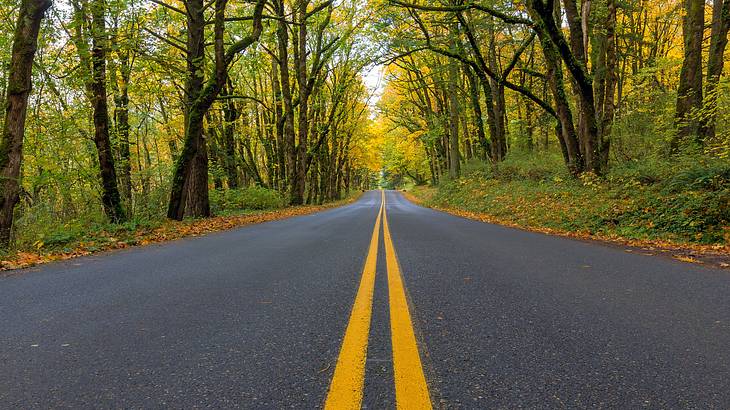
pixel 25 42
pixel 90 26
pixel 715 63
pixel 307 77
pixel 595 116
pixel 689 93
pixel 454 157
pixel 189 195
pixel 97 90
pixel 125 48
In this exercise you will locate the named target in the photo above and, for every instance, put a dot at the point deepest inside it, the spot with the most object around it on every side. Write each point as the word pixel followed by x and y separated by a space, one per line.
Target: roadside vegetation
pixel 594 119
pixel 233 208
pixel 127 121
pixel 682 201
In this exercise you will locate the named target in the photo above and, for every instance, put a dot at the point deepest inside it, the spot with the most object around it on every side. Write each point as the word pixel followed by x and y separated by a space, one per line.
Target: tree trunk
pixel 288 129
pixel 567 136
pixel 715 62
pixel 189 195
pixel 121 114
pixel 573 56
pixel 280 168
pixel 499 139
pixel 604 79
pixel 499 143
pixel 454 157
pixel 25 42
pixel 689 93
pixel 230 115
pixel 300 170
pixel 110 197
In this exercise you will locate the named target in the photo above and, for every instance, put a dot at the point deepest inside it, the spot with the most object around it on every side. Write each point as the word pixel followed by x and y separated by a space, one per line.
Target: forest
pixel 600 116
pixel 122 113
pixel 592 118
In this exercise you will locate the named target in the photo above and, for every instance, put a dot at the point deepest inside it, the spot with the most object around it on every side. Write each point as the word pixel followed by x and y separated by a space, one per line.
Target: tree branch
pixel 469 6
pixel 169 7
pixel 166 40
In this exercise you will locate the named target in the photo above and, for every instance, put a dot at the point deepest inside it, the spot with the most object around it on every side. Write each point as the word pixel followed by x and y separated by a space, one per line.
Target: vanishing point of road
pixel 377 304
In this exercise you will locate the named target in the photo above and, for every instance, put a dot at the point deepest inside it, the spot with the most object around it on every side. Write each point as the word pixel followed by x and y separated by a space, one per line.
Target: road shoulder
pixel 168 230
pixel 716 256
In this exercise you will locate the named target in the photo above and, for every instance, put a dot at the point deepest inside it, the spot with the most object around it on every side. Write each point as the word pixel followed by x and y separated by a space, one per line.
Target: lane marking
pixel 411 391
pixel 346 390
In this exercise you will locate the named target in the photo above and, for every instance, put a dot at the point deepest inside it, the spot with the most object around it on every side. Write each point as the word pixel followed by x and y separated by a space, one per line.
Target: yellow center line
pixel 346 390
pixel 411 391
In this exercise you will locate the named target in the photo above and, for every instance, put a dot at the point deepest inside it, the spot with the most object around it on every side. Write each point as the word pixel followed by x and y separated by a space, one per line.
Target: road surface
pixel 434 310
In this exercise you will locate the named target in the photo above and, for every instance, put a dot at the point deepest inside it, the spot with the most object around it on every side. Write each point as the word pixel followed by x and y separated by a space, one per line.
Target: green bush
pixel 713 176
pixel 252 198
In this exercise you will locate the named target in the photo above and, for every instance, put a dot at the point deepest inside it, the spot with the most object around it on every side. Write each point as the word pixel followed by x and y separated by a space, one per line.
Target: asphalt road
pixel 255 318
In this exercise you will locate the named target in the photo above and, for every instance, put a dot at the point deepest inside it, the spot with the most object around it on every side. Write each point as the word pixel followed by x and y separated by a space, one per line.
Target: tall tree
pixel 90 26
pixel 689 93
pixel 307 76
pixel 189 195
pixel 125 48
pixel 25 43
pixel 110 197
pixel 453 79
pixel 715 63
pixel 287 128
pixel 476 106
pixel 573 54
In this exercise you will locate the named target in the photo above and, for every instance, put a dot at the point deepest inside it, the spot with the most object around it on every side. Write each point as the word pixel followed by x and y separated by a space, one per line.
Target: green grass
pixel 683 199
pixel 39 229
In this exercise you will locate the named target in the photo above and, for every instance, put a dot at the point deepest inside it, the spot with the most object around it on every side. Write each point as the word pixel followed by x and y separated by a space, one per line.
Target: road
pixel 431 308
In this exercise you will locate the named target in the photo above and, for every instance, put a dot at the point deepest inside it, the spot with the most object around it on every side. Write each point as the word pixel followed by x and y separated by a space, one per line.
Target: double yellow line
pixel 346 390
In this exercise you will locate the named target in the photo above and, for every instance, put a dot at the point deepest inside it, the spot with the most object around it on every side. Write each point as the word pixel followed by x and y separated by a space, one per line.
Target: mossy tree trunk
pixel 90 38
pixel 110 197
pixel 567 135
pixel 452 89
pixel 477 110
pixel 121 116
pixel 189 193
pixel 307 78
pixel 715 63
pixel 287 126
pixel 25 43
pixel 230 116
pixel 604 62
pixel 689 93
pixel 573 55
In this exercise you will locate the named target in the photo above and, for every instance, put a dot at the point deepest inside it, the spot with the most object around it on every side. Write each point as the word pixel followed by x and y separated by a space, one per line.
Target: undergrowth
pixel 681 199
pixel 39 230
pixel 43 242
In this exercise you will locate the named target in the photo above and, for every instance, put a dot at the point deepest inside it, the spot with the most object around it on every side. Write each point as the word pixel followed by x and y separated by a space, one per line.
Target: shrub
pixel 647 171
pixel 711 177
pixel 257 198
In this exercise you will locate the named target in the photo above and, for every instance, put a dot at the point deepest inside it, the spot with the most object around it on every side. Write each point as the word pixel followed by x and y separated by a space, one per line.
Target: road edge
pixel 696 254
pixel 170 231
